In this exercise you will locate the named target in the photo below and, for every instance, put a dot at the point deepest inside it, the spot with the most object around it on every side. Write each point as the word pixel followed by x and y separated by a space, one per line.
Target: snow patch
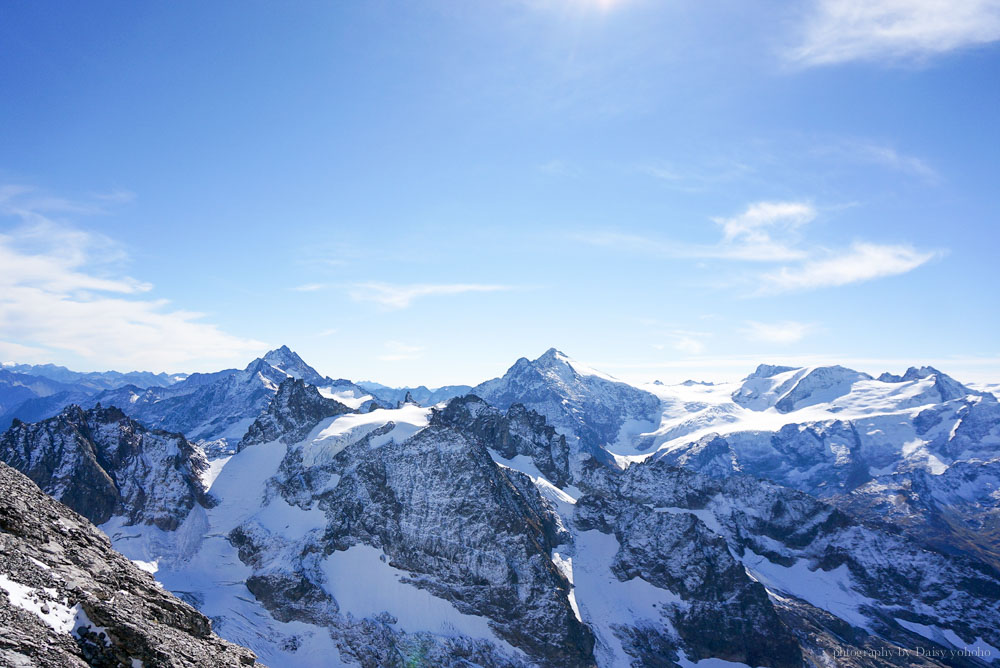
pixel 58 616
pixel 831 590
pixel 946 637
pixel 364 585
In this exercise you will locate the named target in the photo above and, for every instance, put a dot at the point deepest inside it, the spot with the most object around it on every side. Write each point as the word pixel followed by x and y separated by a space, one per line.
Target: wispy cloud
pixel 893 159
pixel 62 290
pixel 396 296
pixel 862 262
pixel 882 155
pixel 558 167
pixel 397 352
pixel 688 342
pixel 755 223
pixel 696 177
pixel 34 205
pixel 309 287
pixel 748 236
pixel 785 332
pixel 768 232
pixel 839 31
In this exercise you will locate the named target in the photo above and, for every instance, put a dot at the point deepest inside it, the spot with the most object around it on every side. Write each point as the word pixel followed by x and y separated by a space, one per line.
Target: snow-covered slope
pixel 472 533
pixel 422 395
pixel 849 438
pixel 446 534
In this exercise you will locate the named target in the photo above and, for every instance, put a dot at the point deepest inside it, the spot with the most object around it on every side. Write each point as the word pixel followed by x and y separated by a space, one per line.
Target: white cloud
pixel 863 262
pixel 747 237
pixel 755 252
pixel 685 341
pixel 874 153
pixel 755 223
pixel 688 345
pixel 397 352
pixel 785 332
pixel 839 31
pixel 401 296
pixel 62 293
pixel 309 287
pixel 893 159
pixel 767 232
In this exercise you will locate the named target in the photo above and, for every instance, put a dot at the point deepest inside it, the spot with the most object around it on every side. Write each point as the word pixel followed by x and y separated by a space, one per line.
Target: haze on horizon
pixel 423 194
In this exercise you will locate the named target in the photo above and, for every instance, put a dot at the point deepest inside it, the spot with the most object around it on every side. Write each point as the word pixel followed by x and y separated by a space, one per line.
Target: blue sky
pixel 423 192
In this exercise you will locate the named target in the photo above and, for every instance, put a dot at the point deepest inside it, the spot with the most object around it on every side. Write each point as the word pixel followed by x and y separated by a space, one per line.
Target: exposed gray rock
pixel 67 599
pixel 292 413
pixel 518 432
pixel 467 530
pixel 101 463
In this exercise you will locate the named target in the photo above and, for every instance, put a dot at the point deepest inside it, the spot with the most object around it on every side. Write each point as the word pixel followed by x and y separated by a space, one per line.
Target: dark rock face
pixel 101 463
pixel 780 536
pixel 465 529
pixel 955 512
pixel 518 432
pixel 724 613
pixel 292 413
pixel 101 610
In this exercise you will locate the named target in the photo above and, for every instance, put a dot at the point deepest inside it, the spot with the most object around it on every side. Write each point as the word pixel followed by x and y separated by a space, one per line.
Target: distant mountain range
pixel 554 516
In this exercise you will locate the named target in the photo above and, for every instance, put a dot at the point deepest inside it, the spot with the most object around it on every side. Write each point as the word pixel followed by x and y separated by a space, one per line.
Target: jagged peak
pixel 295 408
pixel 288 361
pixel 552 353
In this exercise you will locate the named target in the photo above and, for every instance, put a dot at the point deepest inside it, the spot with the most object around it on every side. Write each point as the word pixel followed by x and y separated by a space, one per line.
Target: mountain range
pixel 554 516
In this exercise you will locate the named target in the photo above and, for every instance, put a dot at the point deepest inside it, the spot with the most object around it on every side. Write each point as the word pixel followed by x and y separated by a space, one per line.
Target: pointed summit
pixel 585 403
pixel 287 361
pixel 554 359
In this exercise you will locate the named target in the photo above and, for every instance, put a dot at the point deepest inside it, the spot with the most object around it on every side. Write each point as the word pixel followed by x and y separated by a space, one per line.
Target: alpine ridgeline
pixel 559 517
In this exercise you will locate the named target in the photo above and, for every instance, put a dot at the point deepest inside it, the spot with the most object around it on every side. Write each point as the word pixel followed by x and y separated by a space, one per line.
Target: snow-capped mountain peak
pixel 946 386
pixel 286 360
pixel 592 408
pixel 557 360
pixel 790 388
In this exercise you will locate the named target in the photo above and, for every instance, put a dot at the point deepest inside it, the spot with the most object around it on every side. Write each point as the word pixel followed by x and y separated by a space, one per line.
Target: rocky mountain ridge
pixel 779 521
pixel 68 599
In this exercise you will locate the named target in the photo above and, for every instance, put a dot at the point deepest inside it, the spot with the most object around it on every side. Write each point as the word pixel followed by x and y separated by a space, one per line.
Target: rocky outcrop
pixel 295 409
pixel 519 431
pixel 68 599
pixel 804 549
pixel 101 463
pixel 437 506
